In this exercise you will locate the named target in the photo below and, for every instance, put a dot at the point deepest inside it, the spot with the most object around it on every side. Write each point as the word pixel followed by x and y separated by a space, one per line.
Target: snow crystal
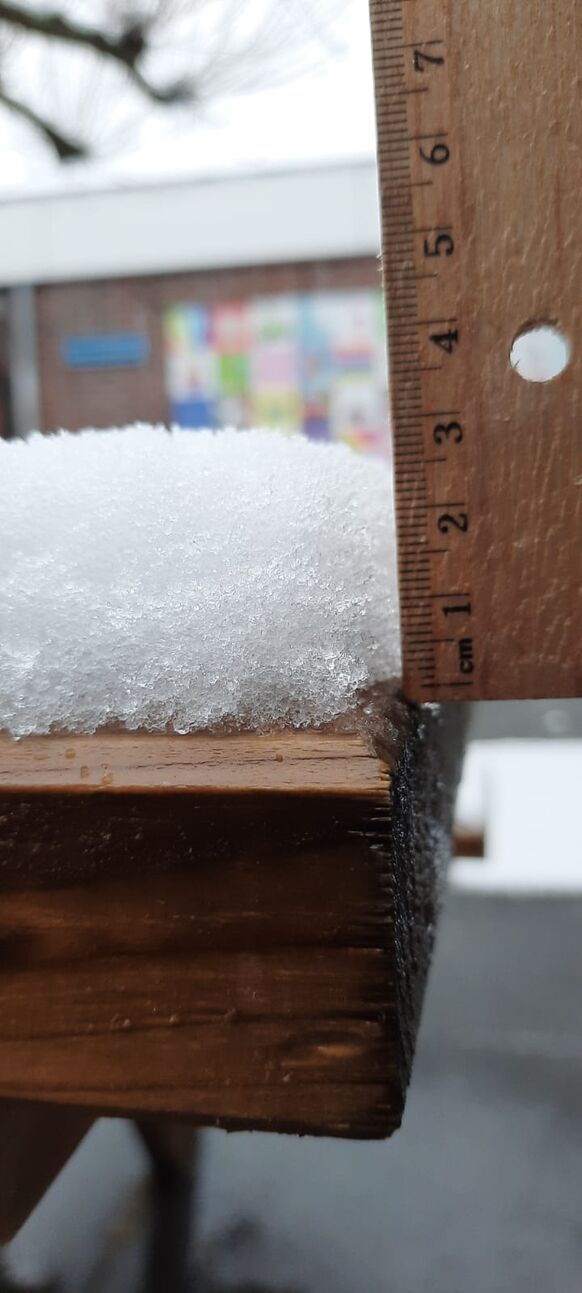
pixel 187 580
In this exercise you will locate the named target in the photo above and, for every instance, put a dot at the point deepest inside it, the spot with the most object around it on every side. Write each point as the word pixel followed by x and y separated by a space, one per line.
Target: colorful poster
pixel 312 362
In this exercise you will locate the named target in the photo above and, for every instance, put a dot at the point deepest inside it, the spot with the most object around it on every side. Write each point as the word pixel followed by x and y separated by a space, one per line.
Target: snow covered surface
pixel 191 579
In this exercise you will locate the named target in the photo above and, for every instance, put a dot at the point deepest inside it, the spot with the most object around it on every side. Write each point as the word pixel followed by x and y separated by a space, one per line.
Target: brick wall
pixel 74 398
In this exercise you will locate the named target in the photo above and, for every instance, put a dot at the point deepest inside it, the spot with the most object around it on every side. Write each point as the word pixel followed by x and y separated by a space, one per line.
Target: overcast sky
pixel 323 114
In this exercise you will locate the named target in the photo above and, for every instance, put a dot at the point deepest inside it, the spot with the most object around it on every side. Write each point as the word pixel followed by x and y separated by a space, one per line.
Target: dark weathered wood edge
pixel 35 1143
pixel 420 832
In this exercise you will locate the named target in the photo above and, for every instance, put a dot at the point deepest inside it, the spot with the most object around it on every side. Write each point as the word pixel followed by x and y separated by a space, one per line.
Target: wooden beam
pixel 251 953
pixel 35 1144
pixel 303 763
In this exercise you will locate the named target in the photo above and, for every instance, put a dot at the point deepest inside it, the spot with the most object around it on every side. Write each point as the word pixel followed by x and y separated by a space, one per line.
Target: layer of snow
pixel 191 579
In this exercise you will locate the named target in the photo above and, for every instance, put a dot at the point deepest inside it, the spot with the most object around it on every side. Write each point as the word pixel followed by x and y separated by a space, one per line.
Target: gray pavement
pixel 527 718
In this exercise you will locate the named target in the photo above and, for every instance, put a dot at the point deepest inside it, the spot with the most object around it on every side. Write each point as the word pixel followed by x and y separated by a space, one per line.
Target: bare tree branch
pixel 135 48
pixel 67 149
pixel 125 49
pixel 176 92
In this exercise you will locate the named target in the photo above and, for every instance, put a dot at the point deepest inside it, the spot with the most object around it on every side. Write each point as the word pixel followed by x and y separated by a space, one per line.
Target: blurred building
pixel 249 300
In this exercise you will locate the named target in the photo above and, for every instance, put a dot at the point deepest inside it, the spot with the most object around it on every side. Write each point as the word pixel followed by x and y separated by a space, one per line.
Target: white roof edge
pixel 266 216
pixel 90 184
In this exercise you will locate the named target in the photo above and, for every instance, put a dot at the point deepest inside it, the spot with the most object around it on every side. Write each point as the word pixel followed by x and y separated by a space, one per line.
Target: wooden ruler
pixel 479 111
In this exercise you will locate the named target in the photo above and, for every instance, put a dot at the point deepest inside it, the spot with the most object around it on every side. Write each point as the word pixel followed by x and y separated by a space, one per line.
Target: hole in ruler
pixel 539 353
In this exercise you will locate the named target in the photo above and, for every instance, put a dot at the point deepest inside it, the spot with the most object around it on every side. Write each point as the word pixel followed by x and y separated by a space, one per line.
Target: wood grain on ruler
pixel 480 154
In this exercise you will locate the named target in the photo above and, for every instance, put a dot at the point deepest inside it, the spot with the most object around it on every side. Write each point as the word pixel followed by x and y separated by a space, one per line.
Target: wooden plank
pixel 35 1144
pixel 480 155
pixel 249 959
pixel 468 842
pixel 142 762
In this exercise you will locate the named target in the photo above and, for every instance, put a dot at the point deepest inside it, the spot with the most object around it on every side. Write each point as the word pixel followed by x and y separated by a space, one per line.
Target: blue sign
pixel 106 350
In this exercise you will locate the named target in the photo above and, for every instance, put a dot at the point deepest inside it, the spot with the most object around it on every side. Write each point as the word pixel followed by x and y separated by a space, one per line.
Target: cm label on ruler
pixel 451 123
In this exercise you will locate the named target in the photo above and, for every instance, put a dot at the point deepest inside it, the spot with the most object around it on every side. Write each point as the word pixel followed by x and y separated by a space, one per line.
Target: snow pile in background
pixel 190 579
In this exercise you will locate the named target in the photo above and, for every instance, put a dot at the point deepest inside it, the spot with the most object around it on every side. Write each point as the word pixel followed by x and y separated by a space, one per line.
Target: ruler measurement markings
pixel 432 134
pixel 415 44
pixel 453 683
pixel 398 60
pixel 394 223
pixel 450 596
pixel 441 413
